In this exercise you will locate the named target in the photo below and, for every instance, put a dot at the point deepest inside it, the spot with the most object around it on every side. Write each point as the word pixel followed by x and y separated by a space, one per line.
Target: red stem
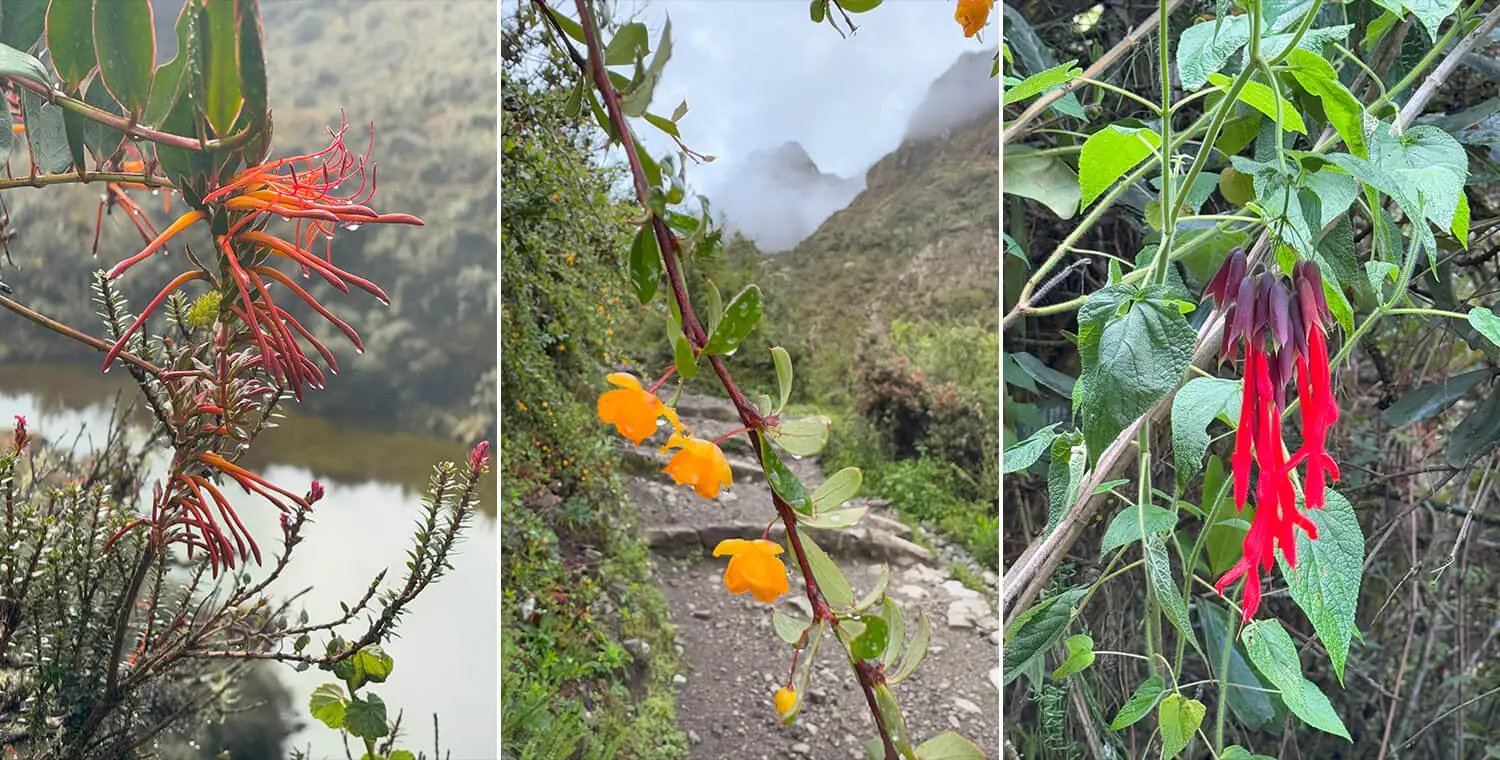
pixel 693 329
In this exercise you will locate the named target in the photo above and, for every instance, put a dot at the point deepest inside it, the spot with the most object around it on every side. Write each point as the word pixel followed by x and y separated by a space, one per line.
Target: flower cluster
pixel 972 15
pixel 1279 323
pixel 302 188
pixel 636 412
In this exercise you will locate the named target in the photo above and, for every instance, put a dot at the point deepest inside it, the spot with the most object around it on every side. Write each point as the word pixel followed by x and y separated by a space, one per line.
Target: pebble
pixel 694 738
pixel 679 679
pixel 802 748
pixel 965 705
pixel 702 614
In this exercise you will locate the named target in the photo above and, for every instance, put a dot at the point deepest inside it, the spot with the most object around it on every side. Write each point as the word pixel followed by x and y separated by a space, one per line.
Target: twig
pixel 88 340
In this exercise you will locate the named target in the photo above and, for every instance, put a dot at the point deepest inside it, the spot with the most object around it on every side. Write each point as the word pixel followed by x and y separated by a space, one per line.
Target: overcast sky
pixel 758 73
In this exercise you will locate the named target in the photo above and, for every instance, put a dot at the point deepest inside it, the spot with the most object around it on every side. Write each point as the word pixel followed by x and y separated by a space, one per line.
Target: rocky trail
pixel 733 662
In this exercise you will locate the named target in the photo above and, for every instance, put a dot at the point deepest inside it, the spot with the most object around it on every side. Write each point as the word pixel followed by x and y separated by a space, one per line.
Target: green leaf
pixel 782 480
pixel 374 663
pixel 22 22
pixel 126 43
pixel 1477 435
pixel 1196 405
pixel 1042 373
pixel 1247 700
pixel 877 593
pixel 18 65
pixel 1274 654
pixel 1422 403
pixel 327 704
pixel 73 125
pixel 1080 655
pixel 221 68
pixel 682 356
pixel 645 262
pixel 1431 13
pixel 1205 47
pixel 1032 632
pixel 859 6
pixel 1134 523
pixel 830 578
pixel 1025 453
pixel 837 489
pixel 1136 359
pixel 252 63
pixel 170 75
pixel 790 629
pixel 740 318
pixel 46 134
pixel 1042 81
pixel 1034 54
pixel 871 643
pixel 1325 583
pixel 104 142
pixel 1428 160
pixel 1263 99
pixel 1110 485
pixel 1344 112
pixel 1380 272
pixel 1108 154
pixel 637 99
pixel 1236 752
pixel 916 649
pixel 629 44
pixel 401 754
pixel 1485 321
pixel 70 40
pixel 1064 475
pixel 7 134
pixel 365 717
pixel 1139 704
pixel 816 10
pixel 1159 574
pixel 783 361
pixel 949 746
pixel 1179 718
pixel 803 437
pixel 1460 224
pixel 834 519
pixel 1047 180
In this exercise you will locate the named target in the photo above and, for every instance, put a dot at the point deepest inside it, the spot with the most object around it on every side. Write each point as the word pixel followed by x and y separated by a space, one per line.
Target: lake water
pixel 446 653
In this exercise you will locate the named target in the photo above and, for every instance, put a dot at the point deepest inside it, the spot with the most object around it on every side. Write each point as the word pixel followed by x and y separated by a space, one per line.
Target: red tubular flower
pixel 304 188
pixel 1282 333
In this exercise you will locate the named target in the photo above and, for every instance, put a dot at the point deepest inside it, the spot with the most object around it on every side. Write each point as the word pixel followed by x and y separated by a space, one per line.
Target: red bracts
pixel 1281 330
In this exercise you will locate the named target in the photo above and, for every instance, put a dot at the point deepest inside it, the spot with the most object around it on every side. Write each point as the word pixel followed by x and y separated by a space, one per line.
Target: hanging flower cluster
pixel 635 412
pixel 972 15
pixel 1280 325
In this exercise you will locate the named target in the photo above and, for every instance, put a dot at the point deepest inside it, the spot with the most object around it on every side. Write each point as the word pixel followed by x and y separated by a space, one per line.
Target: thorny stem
pixel 129 126
pixel 72 178
pixel 693 330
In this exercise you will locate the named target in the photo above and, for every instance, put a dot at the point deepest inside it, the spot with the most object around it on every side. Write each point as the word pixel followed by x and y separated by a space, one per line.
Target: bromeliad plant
pixel 872 630
pixel 1286 180
pixel 214 369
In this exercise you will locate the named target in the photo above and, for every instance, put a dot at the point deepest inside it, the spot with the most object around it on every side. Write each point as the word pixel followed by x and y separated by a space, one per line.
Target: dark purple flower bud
pixel 1244 313
pixel 1230 272
pixel 1298 327
pixel 1276 313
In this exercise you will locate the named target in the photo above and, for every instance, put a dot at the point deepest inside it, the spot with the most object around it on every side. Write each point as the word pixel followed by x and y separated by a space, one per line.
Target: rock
pixel 965 705
pixel 711 535
pixel 970 613
pixel 801 604
pixel 995 637
pixel 911 591
pixel 898 551
pixel 694 738
pixel 893 527
pixel 802 748
pixel 674 540
pixel 638 649
pixel 995 677
pixel 960 591
pixel 702 614
pixel 679 680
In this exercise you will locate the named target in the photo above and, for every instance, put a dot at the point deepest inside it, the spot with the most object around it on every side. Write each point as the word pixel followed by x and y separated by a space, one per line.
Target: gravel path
pixel 734 662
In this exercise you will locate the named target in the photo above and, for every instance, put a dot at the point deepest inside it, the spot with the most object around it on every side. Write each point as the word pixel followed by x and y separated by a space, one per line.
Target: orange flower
pixel 786 699
pixel 972 15
pixel 630 408
pixel 700 464
pixel 753 567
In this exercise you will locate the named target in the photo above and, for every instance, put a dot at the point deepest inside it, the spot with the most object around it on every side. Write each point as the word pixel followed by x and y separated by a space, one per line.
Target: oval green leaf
pixel 837 489
pixel 1179 718
pixel 1080 648
pixel 871 643
pixel 1139 704
pixel 645 262
pixel 1108 154
pixel 740 319
pixel 830 578
pixel 125 42
pixel 802 438
pixel 835 518
pixel 783 361
pixel 221 68
pixel 70 40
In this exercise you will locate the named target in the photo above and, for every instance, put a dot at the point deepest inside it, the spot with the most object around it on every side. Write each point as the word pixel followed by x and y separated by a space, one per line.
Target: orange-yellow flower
pixel 630 408
pixel 753 567
pixel 972 15
pixel 700 464
pixel 786 699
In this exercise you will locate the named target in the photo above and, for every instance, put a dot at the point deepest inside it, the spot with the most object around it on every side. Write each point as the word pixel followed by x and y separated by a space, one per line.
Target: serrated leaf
pixel 1197 404
pixel 1041 81
pixel 1428 400
pixel 1064 475
pixel 1133 523
pixel 1108 154
pixel 1247 699
pixel 1139 704
pixel 1205 47
pixel 645 262
pixel 915 650
pixel 1024 454
pixel 1379 273
pixel 826 572
pixel 125 41
pixel 802 437
pixel 1159 574
pixel 1032 632
pixel 949 746
pixel 1179 718
pixel 365 717
pixel 1137 359
pixel 740 318
pixel 1427 161
pixel 837 489
pixel 1080 648
pixel 1275 655
pixel 327 704
pixel 783 362
pixel 789 628
pixel 1325 583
